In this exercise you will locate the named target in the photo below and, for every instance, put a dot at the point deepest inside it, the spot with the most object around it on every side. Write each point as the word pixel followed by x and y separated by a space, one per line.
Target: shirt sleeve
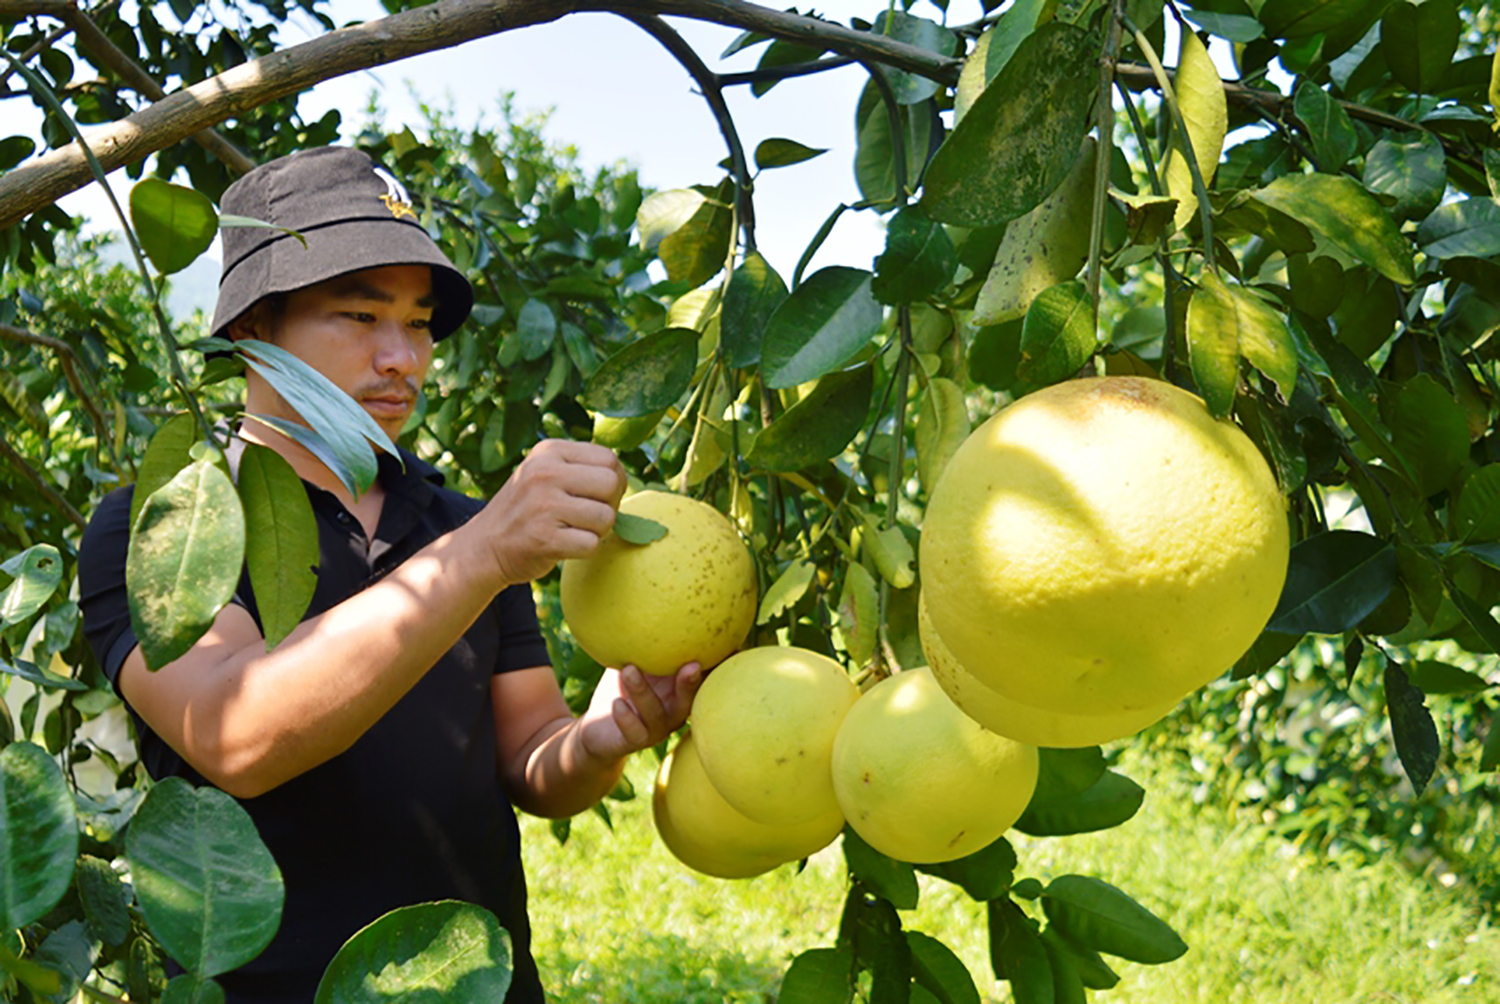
pixel 521 642
pixel 101 583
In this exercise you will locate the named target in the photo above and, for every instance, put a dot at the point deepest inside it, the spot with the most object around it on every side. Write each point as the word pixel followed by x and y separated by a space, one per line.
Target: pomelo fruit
pixel 687 597
pixel 1103 546
pixel 1018 721
pixel 765 722
pixel 709 835
pixel 921 781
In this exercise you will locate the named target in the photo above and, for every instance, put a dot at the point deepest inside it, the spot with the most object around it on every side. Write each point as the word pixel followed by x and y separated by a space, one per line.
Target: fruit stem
pixel 1106 129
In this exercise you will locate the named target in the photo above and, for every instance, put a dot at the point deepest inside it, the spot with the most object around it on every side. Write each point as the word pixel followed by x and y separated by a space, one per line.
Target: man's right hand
pixel 559 503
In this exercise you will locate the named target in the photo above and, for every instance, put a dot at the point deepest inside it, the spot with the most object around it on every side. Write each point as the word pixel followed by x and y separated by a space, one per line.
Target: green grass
pixel 616 919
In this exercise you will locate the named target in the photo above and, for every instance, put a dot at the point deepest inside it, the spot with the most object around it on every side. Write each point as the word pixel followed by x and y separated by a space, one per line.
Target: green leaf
pixel 41 677
pixel 1433 677
pixel 824 323
pixel 441 951
pixel 871 926
pixel 330 412
pixel 1476 514
pixel 859 613
pixel 819 976
pixel 1058 335
pixel 36 572
pixel 638 529
pixel 784 593
pixel 1317 284
pixel 1348 216
pixel 1226 322
pixel 993 50
pixel 1489 757
pixel 1329 127
pixel 207 885
pixel 995 353
pixel 1092 970
pixel 1430 432
pixel 38 835
pixel 166 454
pixel 942 426
pixel 1418 42
pixel 67 952
pixel 891 552
pixel 14 149
pixel 875 148
pixel 984 875
pixel 887 877
pixel 938 970
pixel 662 213
pixel 918 261
pixel 911 88
pixel 1064 773
pixel 782 52
pixel 1067 982
pixel 1018 955
pixel 779 152
pixel 1466 228
pixel 1230 27
pixel 105 900
pixel 1097 914
pixel 319 447
pixel 184 561
pixel 1205 112
pixel 281 540
pixel 695 251
pixel 752 296
pixel 1412 169
pixel 1022 134
pixel 1108 802
pixel 190 989
pixel 1301 18
pixel 1334 580
pixel 536 329
pixel 174 224
pixel 817 427
pixel 645 376
pixel 1412 727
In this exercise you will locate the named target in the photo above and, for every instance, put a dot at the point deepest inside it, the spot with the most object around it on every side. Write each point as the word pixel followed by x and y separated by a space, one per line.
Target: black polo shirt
pixel 414 810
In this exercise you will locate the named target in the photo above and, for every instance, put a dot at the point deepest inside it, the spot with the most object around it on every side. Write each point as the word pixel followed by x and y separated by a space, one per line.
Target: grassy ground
pixel 617 920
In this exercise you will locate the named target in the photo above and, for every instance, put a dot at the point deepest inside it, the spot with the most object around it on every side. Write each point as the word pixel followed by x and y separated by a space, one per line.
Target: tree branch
pixel 441 25
pixel 69 361
pixel 52 495
pixel 777 73
pixel 708 83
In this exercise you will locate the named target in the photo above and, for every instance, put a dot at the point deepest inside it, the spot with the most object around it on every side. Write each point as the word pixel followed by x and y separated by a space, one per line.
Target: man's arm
pixel 556 765
pixel 249 720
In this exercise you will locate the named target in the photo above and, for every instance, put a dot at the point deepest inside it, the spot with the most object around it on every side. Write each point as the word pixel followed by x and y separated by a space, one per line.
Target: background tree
pixel 1310 247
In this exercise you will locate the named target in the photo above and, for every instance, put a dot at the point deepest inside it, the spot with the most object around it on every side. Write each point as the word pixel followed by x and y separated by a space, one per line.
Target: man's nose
pixel 397 351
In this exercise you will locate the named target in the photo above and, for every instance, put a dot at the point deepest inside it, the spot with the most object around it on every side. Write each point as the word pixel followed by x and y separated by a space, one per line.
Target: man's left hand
pixel 632 710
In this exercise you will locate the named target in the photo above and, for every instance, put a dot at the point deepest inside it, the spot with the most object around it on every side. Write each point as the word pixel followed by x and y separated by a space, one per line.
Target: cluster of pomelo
pixel 1090 555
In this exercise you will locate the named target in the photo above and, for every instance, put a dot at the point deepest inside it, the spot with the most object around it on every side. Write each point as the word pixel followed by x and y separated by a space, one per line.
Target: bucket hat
pixel 353 215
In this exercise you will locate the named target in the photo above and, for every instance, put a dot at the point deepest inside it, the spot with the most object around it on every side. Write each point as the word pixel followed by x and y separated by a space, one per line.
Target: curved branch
pixel 52 495
pixel 770 74
pixel 440 25
pixel 708 83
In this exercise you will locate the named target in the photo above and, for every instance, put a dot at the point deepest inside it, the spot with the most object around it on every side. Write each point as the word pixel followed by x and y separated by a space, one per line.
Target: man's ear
pixel 250 324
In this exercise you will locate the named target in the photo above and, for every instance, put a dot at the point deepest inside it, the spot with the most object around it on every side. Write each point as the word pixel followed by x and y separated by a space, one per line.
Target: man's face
pixel 367 331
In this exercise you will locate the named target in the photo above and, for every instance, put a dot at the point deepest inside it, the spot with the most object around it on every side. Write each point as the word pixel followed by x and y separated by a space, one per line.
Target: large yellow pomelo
pixel 1103 546
pixel 688 597
pixel 765 722
pixel 920 780
pixel 1018 721
pixel 709 835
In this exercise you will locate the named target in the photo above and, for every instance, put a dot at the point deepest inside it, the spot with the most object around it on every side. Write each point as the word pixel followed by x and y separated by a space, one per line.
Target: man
pixel 380 747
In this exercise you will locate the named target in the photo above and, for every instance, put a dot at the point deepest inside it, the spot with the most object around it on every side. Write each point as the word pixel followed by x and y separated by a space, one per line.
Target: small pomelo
pixel 920 780
pixel 708 835
pixel 688 597
pixel 1018 721
pixel 765 722
pixel 1103 546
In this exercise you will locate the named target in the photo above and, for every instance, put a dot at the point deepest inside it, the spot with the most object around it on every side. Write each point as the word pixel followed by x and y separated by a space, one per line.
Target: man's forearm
pixel 562 778
pixel 256 719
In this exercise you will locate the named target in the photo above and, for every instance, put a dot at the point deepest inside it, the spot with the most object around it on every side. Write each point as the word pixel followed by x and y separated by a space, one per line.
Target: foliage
pixel 1325 281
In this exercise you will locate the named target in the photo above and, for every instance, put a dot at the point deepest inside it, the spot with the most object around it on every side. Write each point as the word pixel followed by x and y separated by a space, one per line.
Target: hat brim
pixel 285 264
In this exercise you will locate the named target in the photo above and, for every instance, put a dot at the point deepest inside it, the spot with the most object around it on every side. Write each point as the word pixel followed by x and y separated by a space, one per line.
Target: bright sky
pixel 616 94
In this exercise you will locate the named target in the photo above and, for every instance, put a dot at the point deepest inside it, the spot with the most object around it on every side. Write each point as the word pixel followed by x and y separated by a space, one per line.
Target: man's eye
pixel 360 316
pixel 422 323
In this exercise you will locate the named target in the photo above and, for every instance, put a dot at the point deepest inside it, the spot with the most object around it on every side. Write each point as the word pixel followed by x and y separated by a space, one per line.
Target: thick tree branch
pixel 441 25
